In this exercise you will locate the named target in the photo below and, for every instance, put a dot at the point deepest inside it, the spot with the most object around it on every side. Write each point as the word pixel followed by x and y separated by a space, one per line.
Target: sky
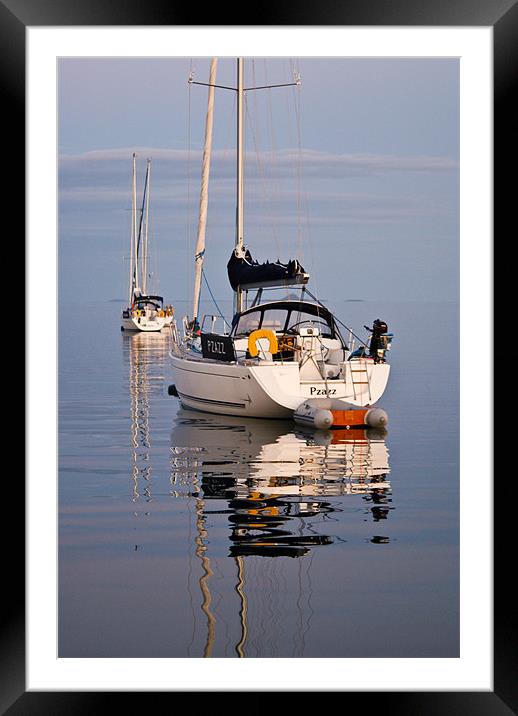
pixel 355 172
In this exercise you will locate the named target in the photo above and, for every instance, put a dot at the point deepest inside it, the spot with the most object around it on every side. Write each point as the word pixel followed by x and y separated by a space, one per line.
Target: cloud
pixel 179 163
pixel 282 190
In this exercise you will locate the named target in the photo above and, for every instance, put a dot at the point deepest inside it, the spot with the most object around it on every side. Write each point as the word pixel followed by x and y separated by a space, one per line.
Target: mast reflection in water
pixel 281 491
pixel 145 351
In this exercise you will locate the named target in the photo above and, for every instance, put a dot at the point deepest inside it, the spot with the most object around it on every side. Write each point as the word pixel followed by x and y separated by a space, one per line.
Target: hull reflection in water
pixel 276 478
pixel 146 354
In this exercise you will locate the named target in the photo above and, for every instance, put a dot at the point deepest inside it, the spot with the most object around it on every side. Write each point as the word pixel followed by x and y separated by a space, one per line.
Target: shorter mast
pixel 204 193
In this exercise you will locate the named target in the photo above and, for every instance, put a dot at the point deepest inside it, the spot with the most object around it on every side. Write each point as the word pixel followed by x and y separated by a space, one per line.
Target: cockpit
pixel 304 332
pixel 286 318
pixel 153 303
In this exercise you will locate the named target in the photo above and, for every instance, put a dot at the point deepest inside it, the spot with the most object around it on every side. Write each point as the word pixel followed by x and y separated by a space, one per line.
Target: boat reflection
pixel 277 480
pixel 146 355
pixel 271 489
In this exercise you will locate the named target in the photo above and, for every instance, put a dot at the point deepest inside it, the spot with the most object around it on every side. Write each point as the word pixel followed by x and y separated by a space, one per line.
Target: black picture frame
pixel 502 16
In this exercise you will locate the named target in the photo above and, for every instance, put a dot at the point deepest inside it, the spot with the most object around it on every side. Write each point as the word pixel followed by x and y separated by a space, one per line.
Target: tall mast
pixel 135 237
pixel 146 235
pixel 240 174
pixel 204 193
pixel 139 246
pixel 132 239
pixel 200 247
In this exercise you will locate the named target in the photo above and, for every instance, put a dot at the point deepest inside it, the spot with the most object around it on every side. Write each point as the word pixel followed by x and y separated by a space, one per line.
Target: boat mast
pixel 240 89
pixel 238 301
pixel 139 249
pixel 146 235
pixel 204 193
pixel 132 238
pixel 135 238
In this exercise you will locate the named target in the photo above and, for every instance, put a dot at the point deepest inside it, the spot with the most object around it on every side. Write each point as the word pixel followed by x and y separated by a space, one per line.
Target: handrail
pixel 214 321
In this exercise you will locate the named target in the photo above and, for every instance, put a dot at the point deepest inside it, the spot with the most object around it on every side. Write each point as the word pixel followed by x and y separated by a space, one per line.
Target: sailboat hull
pixel 270 390
pixel 143 323
pixel 224 389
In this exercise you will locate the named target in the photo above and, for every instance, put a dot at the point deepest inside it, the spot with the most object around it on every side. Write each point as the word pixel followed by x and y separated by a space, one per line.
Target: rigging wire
pixel 152 271
pixel 263 184
pixel 219 188
pixel 213 299
pixel 269 179
pixel 337 319
pixel 273 154
pixel 296 94
pixel 304 203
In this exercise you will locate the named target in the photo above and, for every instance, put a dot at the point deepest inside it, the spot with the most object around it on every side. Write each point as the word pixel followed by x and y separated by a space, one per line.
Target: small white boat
pixel 281 358
pixel 145 312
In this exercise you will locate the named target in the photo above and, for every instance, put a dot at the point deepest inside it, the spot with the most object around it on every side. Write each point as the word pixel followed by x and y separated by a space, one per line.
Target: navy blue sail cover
pixel 247 273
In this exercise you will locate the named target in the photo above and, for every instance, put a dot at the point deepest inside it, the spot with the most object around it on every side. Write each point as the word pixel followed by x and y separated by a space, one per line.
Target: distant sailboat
pixel 145 312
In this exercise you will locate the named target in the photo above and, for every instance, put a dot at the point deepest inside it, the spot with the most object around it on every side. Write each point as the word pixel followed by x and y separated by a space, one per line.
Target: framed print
pixel 474 672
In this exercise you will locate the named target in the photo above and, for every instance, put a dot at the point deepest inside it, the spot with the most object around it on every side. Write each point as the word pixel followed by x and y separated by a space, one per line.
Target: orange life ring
pixel 273 345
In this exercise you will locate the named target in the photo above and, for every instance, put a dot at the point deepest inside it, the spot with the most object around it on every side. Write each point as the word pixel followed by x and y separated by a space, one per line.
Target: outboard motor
pixel 380 340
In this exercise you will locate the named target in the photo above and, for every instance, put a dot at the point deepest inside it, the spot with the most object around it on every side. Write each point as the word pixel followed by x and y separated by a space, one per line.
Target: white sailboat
pixel 281 358
pixel 145 312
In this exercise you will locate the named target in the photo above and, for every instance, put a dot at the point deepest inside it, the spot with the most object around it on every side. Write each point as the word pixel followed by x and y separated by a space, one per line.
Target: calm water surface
pixel 187 534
